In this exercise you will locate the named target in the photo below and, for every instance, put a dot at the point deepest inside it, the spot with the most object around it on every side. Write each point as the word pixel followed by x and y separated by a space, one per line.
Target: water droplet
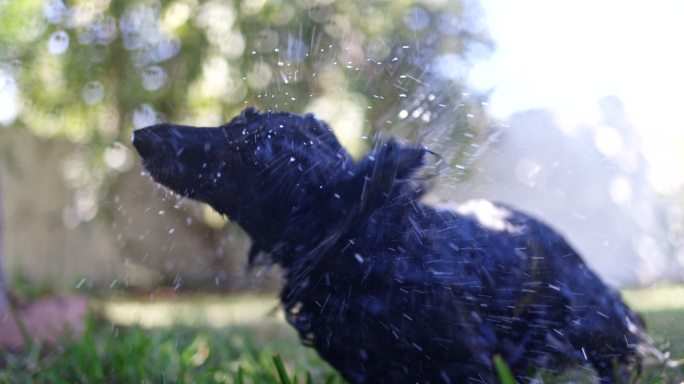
pixel 54 11
pixel 416 19
pixel 58 42
pixel 144 116
pixel 153 78
pixel 93 92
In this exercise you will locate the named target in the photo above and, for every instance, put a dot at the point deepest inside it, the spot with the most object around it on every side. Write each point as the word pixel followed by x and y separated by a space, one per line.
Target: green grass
pixel 131 354
pixel 662 308
pixel 182 341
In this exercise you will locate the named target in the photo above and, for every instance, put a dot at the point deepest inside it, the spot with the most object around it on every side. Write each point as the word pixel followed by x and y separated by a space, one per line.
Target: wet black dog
pixel 386 288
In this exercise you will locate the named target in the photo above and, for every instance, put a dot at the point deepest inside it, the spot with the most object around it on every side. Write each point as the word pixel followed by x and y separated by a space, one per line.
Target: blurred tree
pixel 3 286
pixel 91 71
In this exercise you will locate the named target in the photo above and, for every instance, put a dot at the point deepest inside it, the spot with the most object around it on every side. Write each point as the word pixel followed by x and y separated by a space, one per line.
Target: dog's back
pixel 419 294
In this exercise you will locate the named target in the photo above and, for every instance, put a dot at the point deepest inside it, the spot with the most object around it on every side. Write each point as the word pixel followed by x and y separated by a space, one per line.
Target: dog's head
pixel 273 172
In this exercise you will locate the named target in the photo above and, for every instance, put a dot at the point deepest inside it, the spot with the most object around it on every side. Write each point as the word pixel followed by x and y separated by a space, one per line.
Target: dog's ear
pixel 319 129
pixel 409 159
pixel 248 114
pixel 385 170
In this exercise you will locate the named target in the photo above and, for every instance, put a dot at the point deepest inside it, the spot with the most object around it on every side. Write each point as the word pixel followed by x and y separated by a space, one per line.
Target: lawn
pixel 213 339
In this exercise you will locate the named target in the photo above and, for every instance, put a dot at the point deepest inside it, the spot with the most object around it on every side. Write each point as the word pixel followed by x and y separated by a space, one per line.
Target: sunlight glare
pixel 566 55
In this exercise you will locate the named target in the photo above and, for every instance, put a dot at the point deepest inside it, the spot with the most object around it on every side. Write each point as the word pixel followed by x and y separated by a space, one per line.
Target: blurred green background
pixel 79 77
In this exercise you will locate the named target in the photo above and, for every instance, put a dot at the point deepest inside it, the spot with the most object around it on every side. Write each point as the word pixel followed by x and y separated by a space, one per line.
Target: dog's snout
pixel 145 141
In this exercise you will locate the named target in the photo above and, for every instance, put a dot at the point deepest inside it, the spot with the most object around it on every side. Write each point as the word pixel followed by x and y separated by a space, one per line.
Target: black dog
pixel 386 288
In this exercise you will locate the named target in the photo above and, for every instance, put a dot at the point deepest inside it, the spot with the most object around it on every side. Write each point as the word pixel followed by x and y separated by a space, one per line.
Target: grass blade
pixel 280 367
pixel 502 369
pixel 240 379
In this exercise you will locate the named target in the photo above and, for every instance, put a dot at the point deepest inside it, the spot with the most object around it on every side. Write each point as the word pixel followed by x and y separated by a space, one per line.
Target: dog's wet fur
pixel 385 287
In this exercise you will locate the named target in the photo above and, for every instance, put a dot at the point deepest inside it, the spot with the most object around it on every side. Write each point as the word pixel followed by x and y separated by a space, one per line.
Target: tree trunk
pixel 3 286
